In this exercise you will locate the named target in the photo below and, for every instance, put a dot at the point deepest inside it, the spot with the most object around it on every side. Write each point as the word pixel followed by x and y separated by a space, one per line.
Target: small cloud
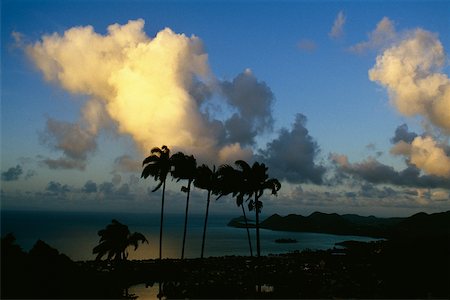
pixel 12 174
pixel 307 45
pixel 338 26
pixel 90 187
pixel 57 188
pixel 74 141
pixel 383 35
pixel 125 163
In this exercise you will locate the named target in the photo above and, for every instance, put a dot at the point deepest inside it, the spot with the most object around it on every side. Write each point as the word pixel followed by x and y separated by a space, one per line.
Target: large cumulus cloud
pixel 154 89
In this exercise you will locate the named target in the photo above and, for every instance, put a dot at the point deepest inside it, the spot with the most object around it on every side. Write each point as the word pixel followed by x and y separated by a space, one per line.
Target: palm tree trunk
pixel 258 242
pixel 206 222
pixel 162 219
pixel 248 231
pixel 161 232
pixel 186 218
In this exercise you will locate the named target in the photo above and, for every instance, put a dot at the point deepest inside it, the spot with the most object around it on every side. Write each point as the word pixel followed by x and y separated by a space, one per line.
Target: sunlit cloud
pixel 152 89
pixel 411 71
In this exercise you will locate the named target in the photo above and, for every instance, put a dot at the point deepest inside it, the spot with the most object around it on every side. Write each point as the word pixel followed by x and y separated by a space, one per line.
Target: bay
pixel 75 234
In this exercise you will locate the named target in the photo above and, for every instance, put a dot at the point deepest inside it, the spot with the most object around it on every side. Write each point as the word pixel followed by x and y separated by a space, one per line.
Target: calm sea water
pixel 75 234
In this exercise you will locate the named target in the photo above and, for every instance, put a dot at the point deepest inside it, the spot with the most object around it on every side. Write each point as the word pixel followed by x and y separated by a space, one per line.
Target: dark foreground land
pixel 401 268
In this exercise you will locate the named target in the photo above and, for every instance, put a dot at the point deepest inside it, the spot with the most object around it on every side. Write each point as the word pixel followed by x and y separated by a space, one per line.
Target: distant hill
pixel 420 224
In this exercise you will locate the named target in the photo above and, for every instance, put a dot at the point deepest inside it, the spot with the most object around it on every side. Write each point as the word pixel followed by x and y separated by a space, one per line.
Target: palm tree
pixel 231 181
pixel 256 181
pixel 206 179
pixel 184 167
pixel 158 165
pixel 114 241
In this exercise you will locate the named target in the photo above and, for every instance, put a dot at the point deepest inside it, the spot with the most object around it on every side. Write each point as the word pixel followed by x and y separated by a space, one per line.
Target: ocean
pixel 75 234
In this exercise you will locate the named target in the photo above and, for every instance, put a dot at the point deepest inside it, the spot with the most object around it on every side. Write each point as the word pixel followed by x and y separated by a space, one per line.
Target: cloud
pixel 375 172
pixel 403 134
pixel 428 156
pixel 338 26
pixel 125 163
pixel 56 188
pixel 253 100
pixel 74 141
pixel 423 152
pixel 411 71
pixel 291 156
pixel 90 187
pixel 154 89
pixel 12 174
pixel 307 45
pixel 383 35
pixel 107 188
pixel 230 153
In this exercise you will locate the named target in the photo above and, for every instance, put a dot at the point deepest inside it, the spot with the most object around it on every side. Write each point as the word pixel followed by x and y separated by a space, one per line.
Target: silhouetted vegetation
pixel 420 224
pixel 114 241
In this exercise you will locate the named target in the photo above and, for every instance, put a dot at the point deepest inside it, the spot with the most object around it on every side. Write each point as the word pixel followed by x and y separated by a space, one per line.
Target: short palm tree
pixel 206 179
pixel 158 165
pixel 231 181
pixel 114 241
pixel 184 167
pixel 256 181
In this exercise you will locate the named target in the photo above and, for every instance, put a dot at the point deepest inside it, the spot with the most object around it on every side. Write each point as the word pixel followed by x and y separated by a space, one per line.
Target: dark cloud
pixel 375 172
pixel 12 174
pixel 403 134
pixel 57 188
pixel 252 100
pixel 64 163
pixel 240 130
pixel 74 141
pixel 370 191
pixel 291 156
pixel 90 187
pixel 106 188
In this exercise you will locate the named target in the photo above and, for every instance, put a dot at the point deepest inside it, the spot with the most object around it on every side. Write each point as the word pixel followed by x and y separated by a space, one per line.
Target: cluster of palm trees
pixel 245 183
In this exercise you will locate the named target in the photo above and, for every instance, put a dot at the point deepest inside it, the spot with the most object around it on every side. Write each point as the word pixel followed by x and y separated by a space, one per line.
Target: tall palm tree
pixel 231 181
pixel 158 165
pixel 206 179
pixel 114 241
pixel 184 167
pixel 256 181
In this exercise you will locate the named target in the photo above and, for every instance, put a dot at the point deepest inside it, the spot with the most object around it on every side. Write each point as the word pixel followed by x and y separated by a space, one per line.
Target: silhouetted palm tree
pixel 158 165
pixel 184 167
pixel 114 241
pixel 206 179
pixel 256 181
pixel 231 181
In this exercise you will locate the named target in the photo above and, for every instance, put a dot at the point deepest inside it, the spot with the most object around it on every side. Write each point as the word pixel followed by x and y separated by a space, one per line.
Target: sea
pixel 76 233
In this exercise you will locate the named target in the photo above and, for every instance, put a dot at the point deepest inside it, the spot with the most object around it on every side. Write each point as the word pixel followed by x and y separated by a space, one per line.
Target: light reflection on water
pixel 144 292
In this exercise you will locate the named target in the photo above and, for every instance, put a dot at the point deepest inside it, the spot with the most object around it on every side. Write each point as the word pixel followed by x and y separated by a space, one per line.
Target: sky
pixel 346 102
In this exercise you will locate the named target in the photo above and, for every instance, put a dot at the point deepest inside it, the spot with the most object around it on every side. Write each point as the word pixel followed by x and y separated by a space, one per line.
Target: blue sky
pixel 266 63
